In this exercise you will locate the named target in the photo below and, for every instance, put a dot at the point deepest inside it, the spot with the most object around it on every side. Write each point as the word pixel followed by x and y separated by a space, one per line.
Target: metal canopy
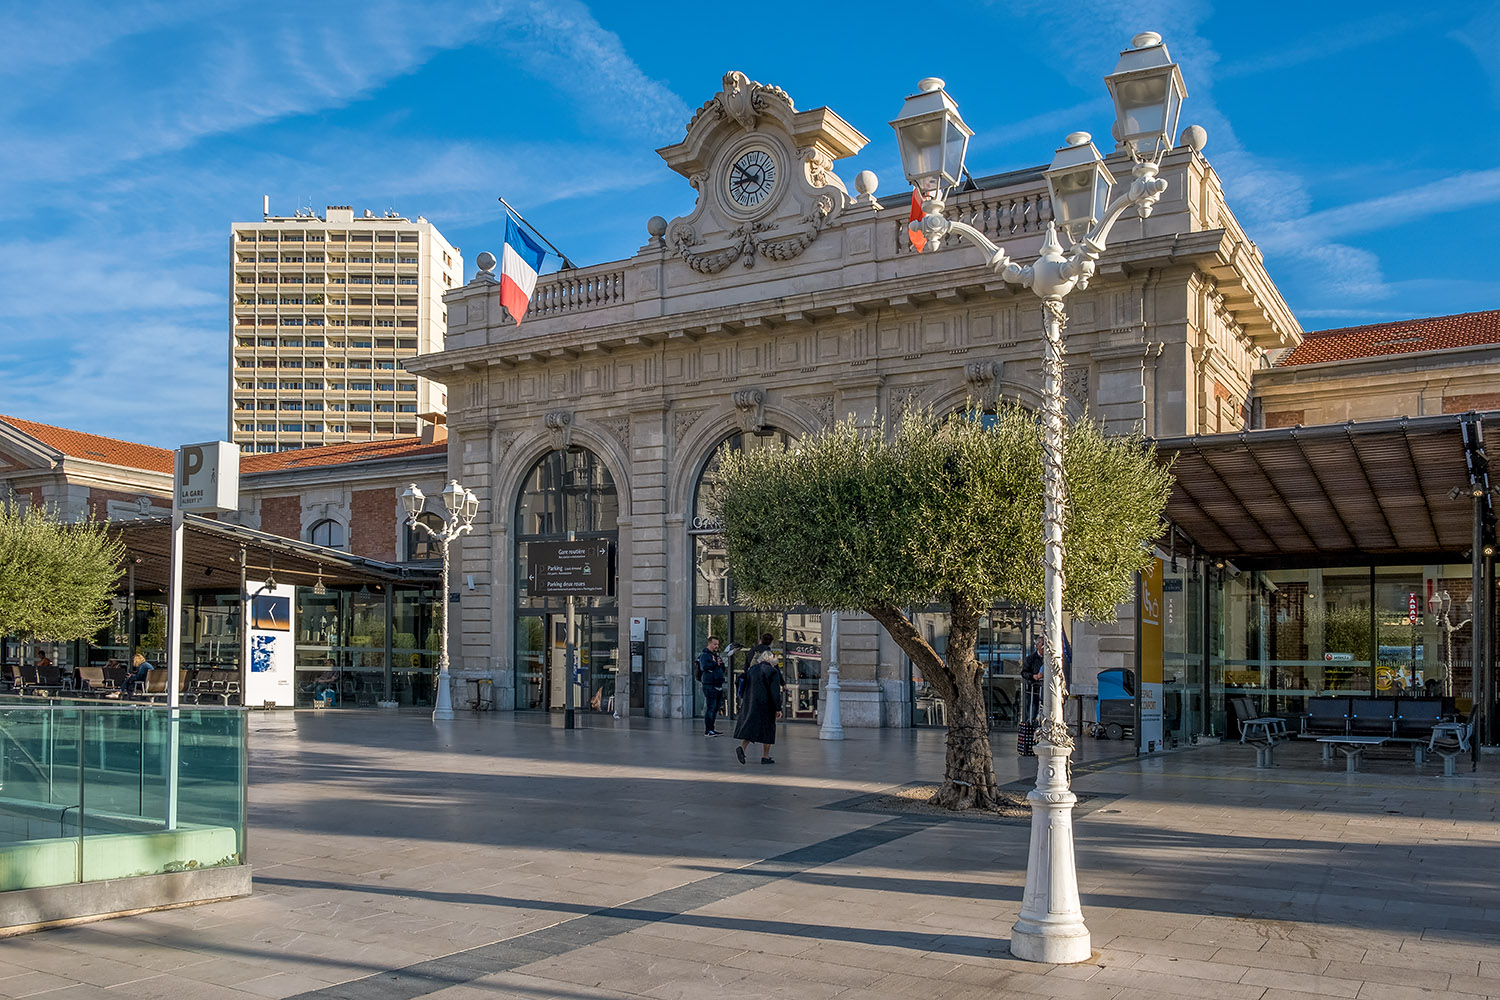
pixel 1355 493
pixel 211 558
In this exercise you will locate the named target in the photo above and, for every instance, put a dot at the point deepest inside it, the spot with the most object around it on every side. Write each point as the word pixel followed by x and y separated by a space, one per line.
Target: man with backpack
pixel 712 675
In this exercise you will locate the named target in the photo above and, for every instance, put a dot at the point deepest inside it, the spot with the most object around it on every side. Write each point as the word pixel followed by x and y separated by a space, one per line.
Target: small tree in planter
pixel 946 510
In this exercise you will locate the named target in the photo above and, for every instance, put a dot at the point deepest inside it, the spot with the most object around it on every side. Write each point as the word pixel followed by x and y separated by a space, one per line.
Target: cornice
pixel 1211 249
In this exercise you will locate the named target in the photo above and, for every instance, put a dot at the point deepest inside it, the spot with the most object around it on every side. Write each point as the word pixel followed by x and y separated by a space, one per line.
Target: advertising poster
pixel 1152 671
pixel 271 661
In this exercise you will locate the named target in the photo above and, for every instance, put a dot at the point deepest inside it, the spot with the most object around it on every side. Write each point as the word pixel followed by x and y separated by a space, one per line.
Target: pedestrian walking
pixel 1033 670
pixel 711 675
pixel 761 707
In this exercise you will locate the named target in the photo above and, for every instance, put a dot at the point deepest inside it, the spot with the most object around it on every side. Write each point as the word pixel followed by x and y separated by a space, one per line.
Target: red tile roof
pixel 1434 333
pixel 340 454
pixel 77 444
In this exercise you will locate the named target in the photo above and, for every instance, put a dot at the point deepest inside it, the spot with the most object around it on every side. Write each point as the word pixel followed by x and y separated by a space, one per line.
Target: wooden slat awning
pixel 1354 493
pixel 211 558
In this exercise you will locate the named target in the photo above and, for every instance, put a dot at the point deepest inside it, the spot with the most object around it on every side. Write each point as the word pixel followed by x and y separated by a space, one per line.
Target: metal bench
pixel 1450 741
pixel 1352 747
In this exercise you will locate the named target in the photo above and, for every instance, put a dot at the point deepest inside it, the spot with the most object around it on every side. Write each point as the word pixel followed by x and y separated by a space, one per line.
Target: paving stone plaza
pixel 504 857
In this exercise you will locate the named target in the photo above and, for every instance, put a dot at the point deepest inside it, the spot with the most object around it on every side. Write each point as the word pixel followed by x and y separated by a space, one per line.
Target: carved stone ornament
pixel 560 424
pixel 682 420
pixel 821 405
pixel 764 176
pixel 903 400
pixel 1076 382
pixel 620 431
pixel 751 404
pixel 982 373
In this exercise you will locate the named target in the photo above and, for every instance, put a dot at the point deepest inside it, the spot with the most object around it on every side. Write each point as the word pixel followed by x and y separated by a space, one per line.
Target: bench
pixel 1260 731
pixel 1450 740
pixel 1351 747
pixel 1326 717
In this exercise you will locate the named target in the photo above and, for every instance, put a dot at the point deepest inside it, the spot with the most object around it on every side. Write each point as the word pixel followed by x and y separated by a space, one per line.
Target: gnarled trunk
pixel 969 772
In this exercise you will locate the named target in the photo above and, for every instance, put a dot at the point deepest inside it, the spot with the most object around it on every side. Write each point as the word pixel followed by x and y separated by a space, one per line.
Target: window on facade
pixel 421 545
pixel 328 533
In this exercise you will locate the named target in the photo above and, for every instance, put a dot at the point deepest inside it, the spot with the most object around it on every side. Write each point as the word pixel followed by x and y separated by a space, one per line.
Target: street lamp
pixel 462 505
pixel 1148 91
pixel 1441 604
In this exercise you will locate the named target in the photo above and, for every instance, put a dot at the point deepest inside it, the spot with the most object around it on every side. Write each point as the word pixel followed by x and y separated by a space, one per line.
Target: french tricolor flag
pixel 519 265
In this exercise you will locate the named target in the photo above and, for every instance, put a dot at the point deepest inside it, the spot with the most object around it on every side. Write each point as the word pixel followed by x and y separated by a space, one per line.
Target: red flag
pixel 917 239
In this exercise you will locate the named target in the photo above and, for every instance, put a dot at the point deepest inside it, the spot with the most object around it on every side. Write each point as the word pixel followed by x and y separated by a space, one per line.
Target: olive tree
pixel 944 510
pixel 56 578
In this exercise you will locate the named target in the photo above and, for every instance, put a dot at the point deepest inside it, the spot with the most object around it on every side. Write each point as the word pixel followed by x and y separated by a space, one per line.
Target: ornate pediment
pixel 764 175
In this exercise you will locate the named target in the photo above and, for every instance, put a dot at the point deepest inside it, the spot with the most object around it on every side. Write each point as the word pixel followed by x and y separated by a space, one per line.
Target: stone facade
pixel 1398 385
pixel 800 311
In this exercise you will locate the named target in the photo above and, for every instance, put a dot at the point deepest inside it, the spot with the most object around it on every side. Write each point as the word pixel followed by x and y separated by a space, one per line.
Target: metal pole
pixel 569 664
pixel 442 702
pixel 1480 684
pixel 1050 926
pixel 130 607
pixel 174 651
pixel 832 727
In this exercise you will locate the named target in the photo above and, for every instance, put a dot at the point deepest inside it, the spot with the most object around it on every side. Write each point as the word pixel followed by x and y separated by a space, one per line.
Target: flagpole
pixel 566 263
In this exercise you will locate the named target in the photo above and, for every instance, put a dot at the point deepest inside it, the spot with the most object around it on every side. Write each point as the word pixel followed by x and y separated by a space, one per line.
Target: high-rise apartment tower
pixel 322 313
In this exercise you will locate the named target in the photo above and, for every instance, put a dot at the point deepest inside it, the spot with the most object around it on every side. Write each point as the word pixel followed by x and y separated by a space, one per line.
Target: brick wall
pixel 1472 401
pixel 281 516
pixel 1285 418
pixel 372 524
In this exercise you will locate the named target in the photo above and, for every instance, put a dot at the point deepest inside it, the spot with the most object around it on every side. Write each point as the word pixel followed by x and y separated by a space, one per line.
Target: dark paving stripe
pixel 600 925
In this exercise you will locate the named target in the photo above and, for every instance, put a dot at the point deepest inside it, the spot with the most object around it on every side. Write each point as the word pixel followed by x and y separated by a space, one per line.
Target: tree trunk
pixel 969 771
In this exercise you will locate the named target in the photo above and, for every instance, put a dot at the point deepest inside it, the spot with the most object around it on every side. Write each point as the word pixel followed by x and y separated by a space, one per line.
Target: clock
pixel 751 178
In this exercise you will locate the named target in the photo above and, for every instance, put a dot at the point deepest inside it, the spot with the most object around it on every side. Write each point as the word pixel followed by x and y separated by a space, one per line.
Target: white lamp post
pixel 1441 604
pixel 1148 91
pixel 462 505
pixel 830 722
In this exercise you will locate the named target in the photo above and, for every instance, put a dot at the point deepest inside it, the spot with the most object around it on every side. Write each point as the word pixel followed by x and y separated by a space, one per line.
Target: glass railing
pixel 91 792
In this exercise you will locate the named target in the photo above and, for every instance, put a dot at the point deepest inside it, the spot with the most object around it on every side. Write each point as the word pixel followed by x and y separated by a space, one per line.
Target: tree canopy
pixel 56 578
pixel 945 508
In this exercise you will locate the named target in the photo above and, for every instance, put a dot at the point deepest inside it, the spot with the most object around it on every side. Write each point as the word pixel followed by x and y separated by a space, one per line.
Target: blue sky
pixel 1359 144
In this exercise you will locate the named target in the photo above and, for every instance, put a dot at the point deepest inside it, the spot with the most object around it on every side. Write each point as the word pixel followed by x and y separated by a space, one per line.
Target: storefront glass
pixel 1005 634
pixel 1284 636
pixel 563 492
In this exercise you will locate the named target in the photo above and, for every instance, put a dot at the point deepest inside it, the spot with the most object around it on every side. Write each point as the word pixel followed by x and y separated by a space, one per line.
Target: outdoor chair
pixel 1415 717
pixel 1327 716
pixel 1452 745
pixel 1373 717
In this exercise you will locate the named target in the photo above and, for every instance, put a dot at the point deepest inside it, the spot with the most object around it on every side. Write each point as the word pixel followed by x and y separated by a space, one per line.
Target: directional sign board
pixel 582 569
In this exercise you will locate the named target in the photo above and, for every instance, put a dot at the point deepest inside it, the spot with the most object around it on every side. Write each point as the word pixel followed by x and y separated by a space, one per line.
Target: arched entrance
pixel 565 491
pixel 796 633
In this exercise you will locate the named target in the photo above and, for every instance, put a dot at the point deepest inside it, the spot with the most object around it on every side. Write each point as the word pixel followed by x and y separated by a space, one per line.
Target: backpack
pixel 697 671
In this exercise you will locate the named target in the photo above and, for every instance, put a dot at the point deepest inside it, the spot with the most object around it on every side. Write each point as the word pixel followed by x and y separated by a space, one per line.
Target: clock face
pixel 752 178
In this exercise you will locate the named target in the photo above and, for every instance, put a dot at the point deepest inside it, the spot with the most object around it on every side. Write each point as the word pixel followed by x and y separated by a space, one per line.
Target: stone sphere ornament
pixel 485 261
pixel 656 226
pixel 865 182
pixel 1194 137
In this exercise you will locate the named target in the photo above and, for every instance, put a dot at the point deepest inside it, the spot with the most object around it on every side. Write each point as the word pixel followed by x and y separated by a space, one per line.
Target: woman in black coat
pixel 761 707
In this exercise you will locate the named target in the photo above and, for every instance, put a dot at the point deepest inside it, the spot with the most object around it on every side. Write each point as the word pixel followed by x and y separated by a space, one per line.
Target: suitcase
pixel 1026 739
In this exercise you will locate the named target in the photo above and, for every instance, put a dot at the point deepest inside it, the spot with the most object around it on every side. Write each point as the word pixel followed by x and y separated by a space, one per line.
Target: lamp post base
pixel 442 704
pixel 1050 926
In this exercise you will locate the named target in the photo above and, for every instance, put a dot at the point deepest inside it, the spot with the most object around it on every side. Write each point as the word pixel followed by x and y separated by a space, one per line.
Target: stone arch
pixel 706 434
pixel 523 453
pixel 1028 396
